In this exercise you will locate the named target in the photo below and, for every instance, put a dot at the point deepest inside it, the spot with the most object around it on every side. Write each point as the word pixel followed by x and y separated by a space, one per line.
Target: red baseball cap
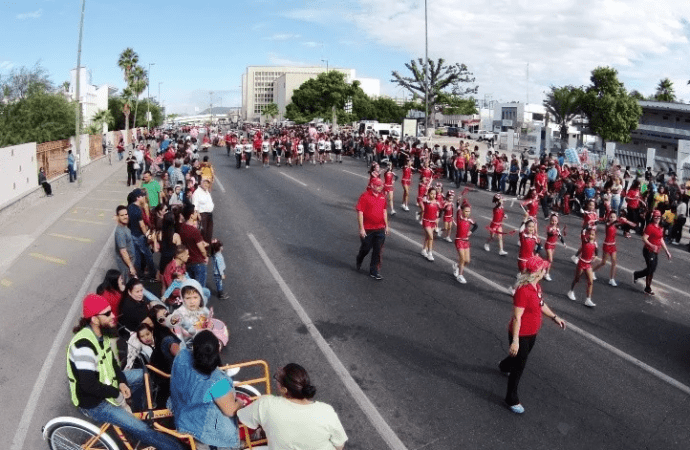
pixel 93 304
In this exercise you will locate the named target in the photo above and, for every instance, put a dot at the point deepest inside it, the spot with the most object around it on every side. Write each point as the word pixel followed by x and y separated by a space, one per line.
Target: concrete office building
pixel 93 98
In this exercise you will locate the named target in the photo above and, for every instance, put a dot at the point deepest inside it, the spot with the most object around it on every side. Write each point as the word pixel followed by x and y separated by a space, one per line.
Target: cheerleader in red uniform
pixel 374 171
pixel 588 252
pixel 421 193
pixel 389 186
pixel 406 182
pixel 609 247
pixel 589 220
pixel 553 233
pixel 496 225
pixel 430 209
pixel 447 214
pixel 466 227
pixel 441 203
pixel 425 171
pixel 529 243
pixel 531 207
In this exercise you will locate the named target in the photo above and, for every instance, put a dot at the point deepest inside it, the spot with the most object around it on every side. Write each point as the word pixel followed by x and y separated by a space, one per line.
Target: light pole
pixel 148 94
pixel 426 71
pixel 326 61
pixel 78 119
pixel 160 102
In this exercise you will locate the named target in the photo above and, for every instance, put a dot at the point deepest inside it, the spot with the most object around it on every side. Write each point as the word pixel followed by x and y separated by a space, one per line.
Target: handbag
pixel 136 166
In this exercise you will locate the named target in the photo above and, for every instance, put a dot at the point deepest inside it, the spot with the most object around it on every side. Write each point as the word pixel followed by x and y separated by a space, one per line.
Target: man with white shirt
pixel 203 204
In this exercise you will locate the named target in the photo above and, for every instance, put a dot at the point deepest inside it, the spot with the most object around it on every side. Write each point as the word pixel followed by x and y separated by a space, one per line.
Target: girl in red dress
pixel 430 209
pixel 496 225
pixel 389 186
pixel 553 233
pixel 466 227
pixel 448 215
pixel 441 203
pixel 531 207
pixel 528 243
pixel 421 193
pixel 609 247
pixel 588 252
pixel 406 182
pixel 589 220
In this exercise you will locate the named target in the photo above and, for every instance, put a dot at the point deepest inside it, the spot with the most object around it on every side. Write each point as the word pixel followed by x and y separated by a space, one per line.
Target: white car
pixel 483 135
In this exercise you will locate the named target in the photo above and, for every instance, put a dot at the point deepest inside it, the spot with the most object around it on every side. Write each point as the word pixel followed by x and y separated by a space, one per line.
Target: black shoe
pixel 223 296
pixel 634 278
pixel 358 265
pixel 649 291
pixel 376 276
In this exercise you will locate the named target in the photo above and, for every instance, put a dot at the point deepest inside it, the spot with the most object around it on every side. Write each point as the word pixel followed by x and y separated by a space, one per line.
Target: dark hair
pixel 188 211
pixel 179 249
pixel 131 283
pixel 206 352
pixel 168 227
pixel 153 312
pixel 83 321
pixel 149 172
pixel 143 326
pixel 110 282
pixel 295 379
pixel 119 208
pixel 215 246
pixel 205 158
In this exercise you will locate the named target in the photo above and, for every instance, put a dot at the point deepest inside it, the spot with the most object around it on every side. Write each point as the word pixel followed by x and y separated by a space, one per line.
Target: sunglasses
pixel 106 314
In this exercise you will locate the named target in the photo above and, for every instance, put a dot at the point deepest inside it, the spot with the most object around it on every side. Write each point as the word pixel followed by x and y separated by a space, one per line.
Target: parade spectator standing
pixel 139 155
pixel 153 190
pixel 70 167
pixel 194 241
pixel 175 174
pixel 97 385
pixel 372 218
pixel 204 205
pixel 43 181
pixel 140 232
pixel 124 244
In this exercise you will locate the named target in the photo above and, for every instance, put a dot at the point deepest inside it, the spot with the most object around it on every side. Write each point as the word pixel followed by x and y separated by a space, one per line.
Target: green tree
pixel 317 97
pixel 270 111
pixel 448 79
pixel 127 61
pixel 613 114
pixel 665 92
pixel 103 116
pixel 16 85
pixel 455 104
pixel 38 117
pixel 385 110
pixel 563 104
pixel 637 95
pixel 138 81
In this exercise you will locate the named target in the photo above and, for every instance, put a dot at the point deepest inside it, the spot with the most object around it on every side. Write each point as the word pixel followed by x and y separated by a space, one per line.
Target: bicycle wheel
pixel 69 433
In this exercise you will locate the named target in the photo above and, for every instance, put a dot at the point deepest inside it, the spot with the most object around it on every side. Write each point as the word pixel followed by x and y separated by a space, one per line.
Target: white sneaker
pixel 424 253
pixel 502 252
pixel 594 276
pixel 438 232
pixel 461 279
pixel 448 239
pixel 574 259
pixel 405 208
pixel 417 216
pixel 456 270
pixel 430 256
pixel 571 295
pixel 613 283
pixel 512 290
pixel 547 277
pixel 487 248
pixel 392 212
pixel 590 303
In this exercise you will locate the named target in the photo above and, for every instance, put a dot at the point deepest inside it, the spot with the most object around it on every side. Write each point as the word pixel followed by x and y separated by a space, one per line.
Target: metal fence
pixel 52 156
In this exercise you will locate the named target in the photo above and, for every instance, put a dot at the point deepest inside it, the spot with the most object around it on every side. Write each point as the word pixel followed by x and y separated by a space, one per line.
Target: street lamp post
pixel 78 118
pixel 160 102
pixel 148 95
pixel 326 61
pixel 426 71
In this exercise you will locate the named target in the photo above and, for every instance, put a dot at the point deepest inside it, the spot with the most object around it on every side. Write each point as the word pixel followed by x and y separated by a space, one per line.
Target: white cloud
pixel 283 37
pixel 30 15
pixel 562 41
pixel 6 66
pixel 311 44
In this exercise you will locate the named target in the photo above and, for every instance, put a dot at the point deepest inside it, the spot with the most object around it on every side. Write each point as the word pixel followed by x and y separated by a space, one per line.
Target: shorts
pixel 462 244
pixel 582 265
pixel 426 223
pixel 279 152
pixel 337 151
pixel 406 182
pixel 609 248
pixel 321 152
pixel 288 153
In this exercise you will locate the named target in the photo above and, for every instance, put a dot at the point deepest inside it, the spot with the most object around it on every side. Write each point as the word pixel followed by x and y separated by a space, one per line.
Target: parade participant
pixel 440 199
pixel 525 322
pixel 300 152
pixel 421 193
pixel 588 252
pixel 553 233
pixel 321 145
pixel 239 148
pixel 247 147
pixel 653 238
pixel 338 150
pixel 265 150
pixel 529 242
pixel 389 186
pixel 447 214
pixel 465 228
pixel 406 181
pixel 430 209
pixel 425 171
pixel 633 201
pixel 312 152
pixel 589 220
pixel 609 247
pixel 327 147
pixel 373 226
pixel 287 150
pixel 541 187
pixel 496 226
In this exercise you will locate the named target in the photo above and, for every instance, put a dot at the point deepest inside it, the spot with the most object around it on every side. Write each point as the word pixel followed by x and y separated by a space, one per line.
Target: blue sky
pixel 205 46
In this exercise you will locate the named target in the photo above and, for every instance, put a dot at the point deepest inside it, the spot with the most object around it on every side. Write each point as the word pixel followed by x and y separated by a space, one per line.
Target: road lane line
pixel 293 179
pixel 353 388
pixel 356 174
pixel 95 222
pixel 220 185
pixel 71 238
pixel 48 258
pixel 67 324
pixel 647 368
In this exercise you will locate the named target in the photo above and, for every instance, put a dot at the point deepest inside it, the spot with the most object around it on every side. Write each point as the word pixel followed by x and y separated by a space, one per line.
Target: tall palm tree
pixel 664 91
pixel 138 80
pixel 128 59
pixel 126 107
pixel 103 116
pixel 563 104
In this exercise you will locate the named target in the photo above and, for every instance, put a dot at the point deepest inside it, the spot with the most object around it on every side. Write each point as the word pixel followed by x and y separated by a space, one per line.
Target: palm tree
pixel 270 110
pixel 127 106
pixel 128 59
pixel 102 116
pixel 563 104
pixel 664 91
pixel 138 80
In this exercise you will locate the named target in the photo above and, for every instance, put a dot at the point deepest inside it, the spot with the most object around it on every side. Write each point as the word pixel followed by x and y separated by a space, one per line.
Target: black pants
pixel 47 188
pixel 238 160
pixel 545 205
pixel 248 158
pixel 131 177
pixel 651 259
pixel 516 365
pixel 677 229
pixel 207 226
pixel 374 240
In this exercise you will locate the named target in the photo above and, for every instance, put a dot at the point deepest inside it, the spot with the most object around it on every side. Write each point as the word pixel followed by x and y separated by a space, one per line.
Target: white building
pixel 370 86
pixel 92 98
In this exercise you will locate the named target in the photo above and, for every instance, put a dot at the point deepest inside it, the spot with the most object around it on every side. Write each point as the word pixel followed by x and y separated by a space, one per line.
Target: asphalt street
pixel 407 362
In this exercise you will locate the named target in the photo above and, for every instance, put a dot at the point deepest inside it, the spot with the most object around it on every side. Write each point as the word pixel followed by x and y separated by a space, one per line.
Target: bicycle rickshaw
pixel 71 433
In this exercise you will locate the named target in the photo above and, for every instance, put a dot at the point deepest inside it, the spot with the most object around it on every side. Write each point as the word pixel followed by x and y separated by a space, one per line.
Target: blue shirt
pixel 135 216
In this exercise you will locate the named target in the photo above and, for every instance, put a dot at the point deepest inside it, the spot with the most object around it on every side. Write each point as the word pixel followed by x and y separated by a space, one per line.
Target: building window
pixel 663 146
pixel 664 117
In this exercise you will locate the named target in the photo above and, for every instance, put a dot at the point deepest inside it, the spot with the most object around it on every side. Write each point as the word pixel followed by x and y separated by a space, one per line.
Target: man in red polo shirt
pixel 373 226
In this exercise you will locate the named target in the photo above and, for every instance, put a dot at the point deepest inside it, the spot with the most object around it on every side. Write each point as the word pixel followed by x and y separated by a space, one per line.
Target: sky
pixel 201 47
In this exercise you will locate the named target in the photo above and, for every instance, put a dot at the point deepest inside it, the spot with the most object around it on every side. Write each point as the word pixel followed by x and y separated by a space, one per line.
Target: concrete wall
pixel 18 172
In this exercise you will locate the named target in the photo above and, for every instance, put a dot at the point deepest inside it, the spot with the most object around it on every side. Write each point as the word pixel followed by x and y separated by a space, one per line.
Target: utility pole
pixel 326 61
pixel 148 95
pixel 426 70
pixel 78 119
pixel 210 94
pixel 527 86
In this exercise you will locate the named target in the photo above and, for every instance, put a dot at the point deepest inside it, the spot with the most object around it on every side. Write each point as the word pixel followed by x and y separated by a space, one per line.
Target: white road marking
pixel 32 404
pixel 293 179
pixel 356 174
pixel 662 376
pixel 353 388
pixel 220 186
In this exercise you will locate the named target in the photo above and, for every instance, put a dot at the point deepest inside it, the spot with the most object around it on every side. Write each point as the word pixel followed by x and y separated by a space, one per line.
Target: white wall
pixel 18 172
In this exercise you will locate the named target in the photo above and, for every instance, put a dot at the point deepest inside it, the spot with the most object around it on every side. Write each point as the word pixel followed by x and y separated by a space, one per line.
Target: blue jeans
pixel 502 182
pixel 72 172
pixel 198 272
pixel 459 175
pixel 141 249
pixel 137 429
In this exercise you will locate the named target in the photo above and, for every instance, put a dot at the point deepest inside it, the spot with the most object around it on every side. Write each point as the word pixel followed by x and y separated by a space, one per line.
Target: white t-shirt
pixel 265 146
pixel 312 147
pixel 248 147
pixel 291 426
pixel 300 148
pixel 327 146
pixel 338 144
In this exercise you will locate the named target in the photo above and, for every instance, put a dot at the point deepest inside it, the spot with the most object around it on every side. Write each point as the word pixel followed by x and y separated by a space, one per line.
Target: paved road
pixel 421 349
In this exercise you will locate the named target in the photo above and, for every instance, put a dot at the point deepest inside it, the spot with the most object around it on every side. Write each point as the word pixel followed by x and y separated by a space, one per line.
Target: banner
pixel 683 156
pixel 651 156
pixel 610 151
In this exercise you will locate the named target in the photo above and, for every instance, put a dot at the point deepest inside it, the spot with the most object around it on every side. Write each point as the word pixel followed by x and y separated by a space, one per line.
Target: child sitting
pixel 216 249
pixel 139 343
pixel 193 316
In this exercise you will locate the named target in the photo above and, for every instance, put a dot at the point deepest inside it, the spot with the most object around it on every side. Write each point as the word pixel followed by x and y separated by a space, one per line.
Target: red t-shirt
pixel 656 234
pixel 373 209
pixel 633 198
pixel 190 237
pixel 530 298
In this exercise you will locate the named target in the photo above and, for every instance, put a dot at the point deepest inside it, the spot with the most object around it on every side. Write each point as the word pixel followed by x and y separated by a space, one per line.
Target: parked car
pixel 483 135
